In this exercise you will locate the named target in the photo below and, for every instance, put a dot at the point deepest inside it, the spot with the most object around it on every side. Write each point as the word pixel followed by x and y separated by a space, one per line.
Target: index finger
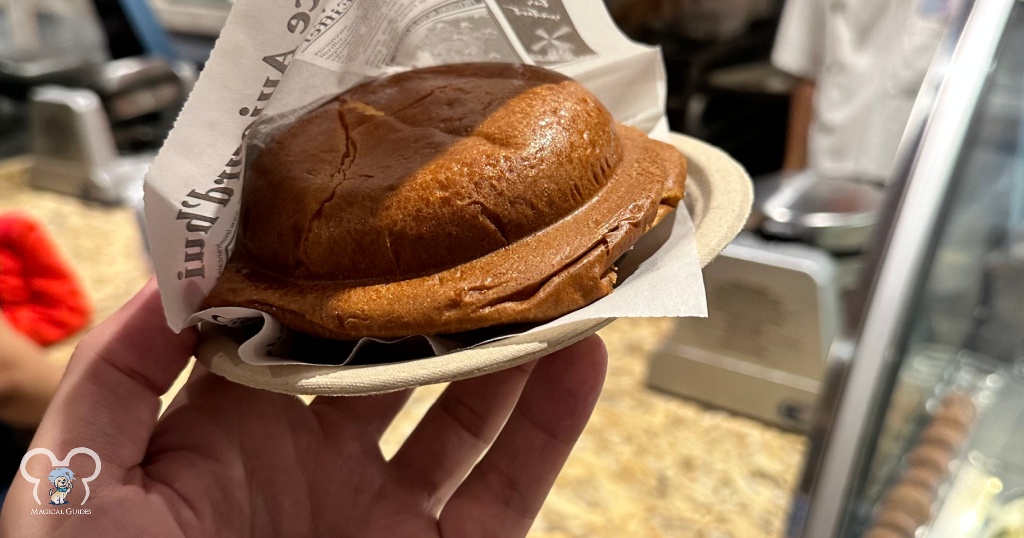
pixel 109 398
pixel 504 493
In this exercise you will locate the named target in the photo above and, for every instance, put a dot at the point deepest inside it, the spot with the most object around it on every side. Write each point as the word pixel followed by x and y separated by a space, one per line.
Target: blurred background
pixel 859 372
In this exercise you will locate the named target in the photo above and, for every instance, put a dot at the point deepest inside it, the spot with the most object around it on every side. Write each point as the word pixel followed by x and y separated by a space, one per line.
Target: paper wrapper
pixel 276 57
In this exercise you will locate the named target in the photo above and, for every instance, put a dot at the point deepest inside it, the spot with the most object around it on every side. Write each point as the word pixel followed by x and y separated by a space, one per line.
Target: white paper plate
pixel 719 195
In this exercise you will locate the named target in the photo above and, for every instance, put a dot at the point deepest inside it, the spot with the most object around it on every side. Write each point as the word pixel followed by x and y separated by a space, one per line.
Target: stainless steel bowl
pixel 836 215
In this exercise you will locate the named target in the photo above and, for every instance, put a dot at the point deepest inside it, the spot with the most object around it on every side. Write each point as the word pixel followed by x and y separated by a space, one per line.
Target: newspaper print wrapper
pixel 276 59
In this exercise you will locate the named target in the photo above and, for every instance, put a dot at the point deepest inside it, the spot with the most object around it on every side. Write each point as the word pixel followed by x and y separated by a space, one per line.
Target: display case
pixel 920 429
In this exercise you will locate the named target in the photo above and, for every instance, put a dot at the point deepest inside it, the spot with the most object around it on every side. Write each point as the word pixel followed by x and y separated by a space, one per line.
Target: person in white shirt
pixel 859 66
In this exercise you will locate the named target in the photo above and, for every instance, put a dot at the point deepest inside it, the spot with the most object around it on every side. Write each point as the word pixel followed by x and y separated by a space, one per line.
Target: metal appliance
pixel 774 298
pixel 102 87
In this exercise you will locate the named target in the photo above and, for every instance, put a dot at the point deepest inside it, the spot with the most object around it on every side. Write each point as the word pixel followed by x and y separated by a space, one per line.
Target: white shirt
pixel 868 59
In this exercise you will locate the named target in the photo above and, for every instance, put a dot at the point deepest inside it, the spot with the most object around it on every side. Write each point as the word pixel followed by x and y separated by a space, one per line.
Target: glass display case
pixel 920 431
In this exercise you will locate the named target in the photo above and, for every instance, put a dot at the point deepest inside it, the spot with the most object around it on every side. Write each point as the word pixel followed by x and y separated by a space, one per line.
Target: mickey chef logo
pixel 61 479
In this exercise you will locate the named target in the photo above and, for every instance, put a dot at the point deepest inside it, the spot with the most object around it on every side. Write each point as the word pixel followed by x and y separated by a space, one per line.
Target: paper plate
pixel 719 195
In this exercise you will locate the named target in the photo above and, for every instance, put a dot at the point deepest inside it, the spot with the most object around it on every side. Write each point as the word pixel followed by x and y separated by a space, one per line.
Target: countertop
pixel 647 465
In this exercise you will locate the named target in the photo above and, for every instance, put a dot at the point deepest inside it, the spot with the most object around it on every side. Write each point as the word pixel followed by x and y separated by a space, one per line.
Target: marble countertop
pixel 648 464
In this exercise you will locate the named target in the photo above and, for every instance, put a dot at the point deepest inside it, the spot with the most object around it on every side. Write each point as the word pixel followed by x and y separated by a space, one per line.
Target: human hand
pixel 227 460
pixel 28 378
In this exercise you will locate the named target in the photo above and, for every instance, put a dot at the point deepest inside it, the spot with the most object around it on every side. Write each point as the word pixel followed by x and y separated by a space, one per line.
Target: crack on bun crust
pixel 480 195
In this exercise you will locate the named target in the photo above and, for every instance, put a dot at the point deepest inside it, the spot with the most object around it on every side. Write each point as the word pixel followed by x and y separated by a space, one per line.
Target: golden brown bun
pixel 925 476
pixel 901 523
pixel 933 457
pixel 886 532
pixel 958 409
pixel 943 434
pixel 442 200
pixel 910 499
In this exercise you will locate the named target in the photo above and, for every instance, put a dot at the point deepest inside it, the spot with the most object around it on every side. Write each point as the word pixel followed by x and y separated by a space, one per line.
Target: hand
pixel 798 131
pixel 28 378
pixel 227 460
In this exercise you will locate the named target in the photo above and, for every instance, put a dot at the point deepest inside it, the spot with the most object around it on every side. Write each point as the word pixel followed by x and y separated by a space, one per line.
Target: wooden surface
pixel 648 464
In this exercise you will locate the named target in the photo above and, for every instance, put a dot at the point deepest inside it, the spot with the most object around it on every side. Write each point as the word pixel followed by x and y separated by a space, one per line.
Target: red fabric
pixel 39 294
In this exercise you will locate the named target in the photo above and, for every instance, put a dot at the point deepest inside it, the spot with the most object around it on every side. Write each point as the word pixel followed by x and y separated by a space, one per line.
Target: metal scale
pixel 774 299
